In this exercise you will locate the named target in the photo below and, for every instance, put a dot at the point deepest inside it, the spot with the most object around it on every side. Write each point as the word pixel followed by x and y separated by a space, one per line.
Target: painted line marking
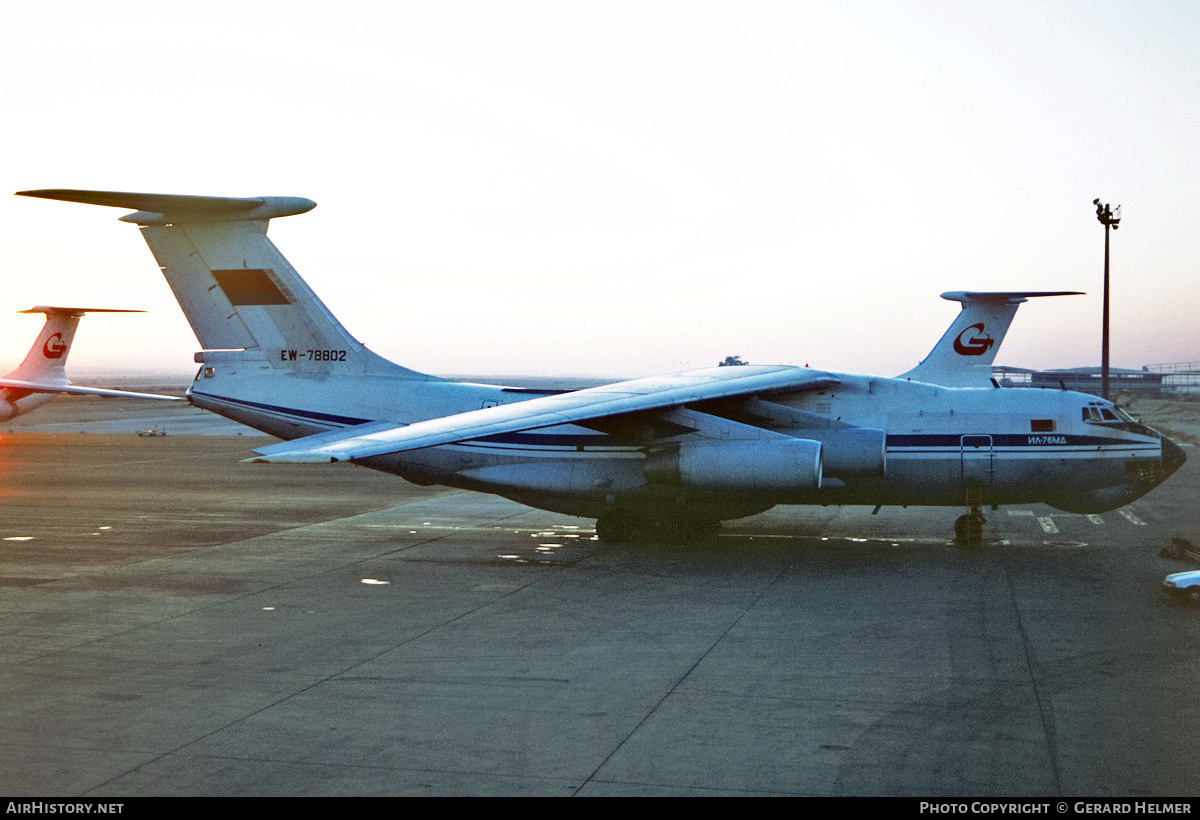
pixel 1131 518
pixel 1047 523
pixel 1095 519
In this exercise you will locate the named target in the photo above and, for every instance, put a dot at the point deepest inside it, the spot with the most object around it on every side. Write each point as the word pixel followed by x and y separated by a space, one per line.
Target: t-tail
pixel 240 295
pixel 46 360
pixel 964 355
pixel 42 374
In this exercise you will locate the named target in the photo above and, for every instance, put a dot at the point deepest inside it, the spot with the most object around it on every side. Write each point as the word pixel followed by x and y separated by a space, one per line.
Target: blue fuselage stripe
pixel 909 443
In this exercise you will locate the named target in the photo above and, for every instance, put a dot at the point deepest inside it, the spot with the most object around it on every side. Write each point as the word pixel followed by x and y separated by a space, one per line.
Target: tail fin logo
pixel 54 347
pixel 973 341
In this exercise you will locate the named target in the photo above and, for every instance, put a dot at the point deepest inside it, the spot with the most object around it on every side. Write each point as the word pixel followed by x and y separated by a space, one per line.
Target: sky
pixel 622 188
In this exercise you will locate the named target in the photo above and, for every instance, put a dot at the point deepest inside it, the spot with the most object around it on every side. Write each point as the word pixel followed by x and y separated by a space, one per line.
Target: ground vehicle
pixel 1184 585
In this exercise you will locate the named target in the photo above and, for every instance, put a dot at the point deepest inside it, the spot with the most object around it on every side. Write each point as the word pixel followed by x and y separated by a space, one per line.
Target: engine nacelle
pixel 852 452
pixel 772 465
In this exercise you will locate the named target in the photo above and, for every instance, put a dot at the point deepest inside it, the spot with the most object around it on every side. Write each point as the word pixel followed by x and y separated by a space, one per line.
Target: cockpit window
pixel 1097 413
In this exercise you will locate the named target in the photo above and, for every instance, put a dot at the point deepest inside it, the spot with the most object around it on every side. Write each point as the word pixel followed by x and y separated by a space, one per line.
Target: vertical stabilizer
pixel 235 287
pixel 47 358
pixel 964 355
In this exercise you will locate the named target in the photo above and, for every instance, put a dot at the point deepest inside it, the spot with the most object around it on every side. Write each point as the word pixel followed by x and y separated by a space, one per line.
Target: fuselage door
pixel 977 460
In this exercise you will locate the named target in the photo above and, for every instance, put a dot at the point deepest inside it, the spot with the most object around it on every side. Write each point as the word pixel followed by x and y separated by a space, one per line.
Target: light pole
pixel 1109 217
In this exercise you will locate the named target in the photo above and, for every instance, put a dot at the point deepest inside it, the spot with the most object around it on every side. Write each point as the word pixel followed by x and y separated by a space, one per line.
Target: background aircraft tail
pixel 963 356
pixel 47 358
pixel 235 287
pixel 42 375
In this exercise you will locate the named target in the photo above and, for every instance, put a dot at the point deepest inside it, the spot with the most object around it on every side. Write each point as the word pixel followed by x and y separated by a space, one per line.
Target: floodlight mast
pixel 1109 217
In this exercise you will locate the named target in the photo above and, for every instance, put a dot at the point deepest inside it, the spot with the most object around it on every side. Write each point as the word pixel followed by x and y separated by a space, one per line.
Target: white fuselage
pixel 939 444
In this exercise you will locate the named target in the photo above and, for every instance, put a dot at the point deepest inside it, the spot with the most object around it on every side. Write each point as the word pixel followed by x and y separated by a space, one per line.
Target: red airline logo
pixel 54 347
pixel 973 341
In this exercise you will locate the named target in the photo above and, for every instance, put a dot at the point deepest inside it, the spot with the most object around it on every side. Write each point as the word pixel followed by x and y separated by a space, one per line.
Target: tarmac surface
pixel 177 622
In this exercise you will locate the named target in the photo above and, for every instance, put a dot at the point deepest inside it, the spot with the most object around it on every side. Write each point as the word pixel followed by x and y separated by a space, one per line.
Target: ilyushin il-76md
pixel 670 455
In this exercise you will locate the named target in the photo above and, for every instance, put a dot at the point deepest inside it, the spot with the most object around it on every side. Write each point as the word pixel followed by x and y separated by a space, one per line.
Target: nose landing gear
pixel 968 529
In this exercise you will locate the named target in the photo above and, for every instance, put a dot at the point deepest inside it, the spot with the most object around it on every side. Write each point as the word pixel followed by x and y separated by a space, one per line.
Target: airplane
pixel 41 375
pixel 668 456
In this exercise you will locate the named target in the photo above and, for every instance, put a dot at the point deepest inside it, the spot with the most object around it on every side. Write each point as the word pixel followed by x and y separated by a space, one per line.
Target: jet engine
pixel 770 465
pixel 852 452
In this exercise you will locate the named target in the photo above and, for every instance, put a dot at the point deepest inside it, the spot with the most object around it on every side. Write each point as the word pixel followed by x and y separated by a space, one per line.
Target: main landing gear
pixel 621 527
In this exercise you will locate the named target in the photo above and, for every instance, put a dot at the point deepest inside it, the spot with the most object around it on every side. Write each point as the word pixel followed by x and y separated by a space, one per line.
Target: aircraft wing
pixel 48 387
pixel 638 395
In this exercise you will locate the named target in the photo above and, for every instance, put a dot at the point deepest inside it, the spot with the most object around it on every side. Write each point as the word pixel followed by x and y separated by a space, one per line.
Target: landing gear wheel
pixel 615 528
pixel 621 528
pixel 1194 595
pixel 687 530
pixel 968 529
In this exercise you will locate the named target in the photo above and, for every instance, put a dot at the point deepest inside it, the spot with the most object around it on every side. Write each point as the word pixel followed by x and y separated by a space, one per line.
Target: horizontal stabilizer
pixel 47 387
pixel 162 209
pixel 638 395
pixel 1008 297
pixel 52 310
